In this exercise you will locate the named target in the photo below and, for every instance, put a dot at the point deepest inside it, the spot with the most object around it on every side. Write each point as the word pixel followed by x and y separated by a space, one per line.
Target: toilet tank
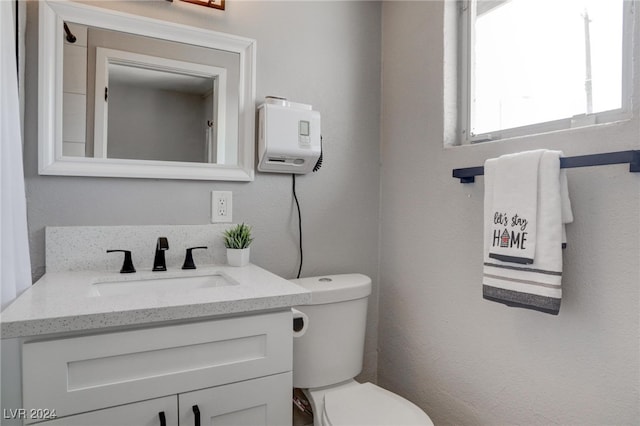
pixel 331 349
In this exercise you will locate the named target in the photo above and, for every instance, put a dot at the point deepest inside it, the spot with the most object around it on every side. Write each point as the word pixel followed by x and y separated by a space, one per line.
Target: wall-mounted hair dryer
pixel 288 137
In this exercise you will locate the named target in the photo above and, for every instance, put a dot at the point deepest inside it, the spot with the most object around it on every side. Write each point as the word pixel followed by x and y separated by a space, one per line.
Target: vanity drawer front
pixel 90 372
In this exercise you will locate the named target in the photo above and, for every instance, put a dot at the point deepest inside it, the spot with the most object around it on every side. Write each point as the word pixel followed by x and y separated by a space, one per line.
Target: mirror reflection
pixel 127 96
pixel 136 96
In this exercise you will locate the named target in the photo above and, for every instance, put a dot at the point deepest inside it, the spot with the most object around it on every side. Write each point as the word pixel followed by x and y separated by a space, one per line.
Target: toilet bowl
pixel 328 356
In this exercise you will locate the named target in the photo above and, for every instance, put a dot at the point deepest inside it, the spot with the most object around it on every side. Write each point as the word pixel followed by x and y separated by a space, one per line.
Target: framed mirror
pixel 128 96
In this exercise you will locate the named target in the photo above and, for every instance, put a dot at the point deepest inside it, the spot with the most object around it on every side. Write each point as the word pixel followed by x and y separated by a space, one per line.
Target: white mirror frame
pixel 50 56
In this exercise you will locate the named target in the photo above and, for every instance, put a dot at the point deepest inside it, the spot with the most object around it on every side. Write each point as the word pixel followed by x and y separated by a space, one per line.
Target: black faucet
pixel 159 263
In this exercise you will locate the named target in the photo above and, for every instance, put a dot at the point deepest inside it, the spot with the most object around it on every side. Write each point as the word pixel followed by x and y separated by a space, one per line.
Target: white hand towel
pixel 567 213
pixel 514 207
pixel 537 285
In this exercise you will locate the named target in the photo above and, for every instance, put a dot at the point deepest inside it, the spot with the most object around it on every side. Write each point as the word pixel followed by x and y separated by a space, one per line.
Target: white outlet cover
pixel 221 206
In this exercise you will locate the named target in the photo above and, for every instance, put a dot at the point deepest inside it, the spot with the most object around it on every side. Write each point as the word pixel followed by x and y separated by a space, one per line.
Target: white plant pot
pixel 238 257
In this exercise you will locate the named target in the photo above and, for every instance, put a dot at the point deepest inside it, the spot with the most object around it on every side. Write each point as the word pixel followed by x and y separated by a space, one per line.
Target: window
pixel 530 66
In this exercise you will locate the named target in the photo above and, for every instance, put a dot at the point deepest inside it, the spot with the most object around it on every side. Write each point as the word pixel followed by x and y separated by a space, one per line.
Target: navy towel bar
pixel 467 175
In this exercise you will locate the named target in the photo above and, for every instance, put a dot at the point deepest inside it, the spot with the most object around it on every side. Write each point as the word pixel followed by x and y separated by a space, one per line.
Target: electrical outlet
pixel 221 206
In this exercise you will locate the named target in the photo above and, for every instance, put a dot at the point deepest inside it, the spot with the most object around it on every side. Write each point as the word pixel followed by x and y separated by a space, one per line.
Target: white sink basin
pixel 161 285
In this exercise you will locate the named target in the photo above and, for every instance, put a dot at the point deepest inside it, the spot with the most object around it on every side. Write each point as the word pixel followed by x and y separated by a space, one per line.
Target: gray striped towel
pixel 536 285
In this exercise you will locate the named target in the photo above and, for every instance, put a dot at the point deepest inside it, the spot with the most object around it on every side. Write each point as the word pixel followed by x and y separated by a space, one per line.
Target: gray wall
pixel 474 362
pixel 322 53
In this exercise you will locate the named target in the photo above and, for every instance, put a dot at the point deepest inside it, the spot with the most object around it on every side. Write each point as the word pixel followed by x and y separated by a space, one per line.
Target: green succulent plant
pixel 238 237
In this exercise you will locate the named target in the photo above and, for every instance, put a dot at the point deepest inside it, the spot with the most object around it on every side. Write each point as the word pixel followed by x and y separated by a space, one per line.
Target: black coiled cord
pixel 319 162
pixel 295 197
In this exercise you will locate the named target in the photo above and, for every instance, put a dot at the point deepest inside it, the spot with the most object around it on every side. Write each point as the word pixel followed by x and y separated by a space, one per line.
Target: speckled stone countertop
pixel 68 301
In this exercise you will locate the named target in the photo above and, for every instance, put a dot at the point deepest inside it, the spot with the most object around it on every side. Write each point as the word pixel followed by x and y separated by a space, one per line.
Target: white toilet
pixel 329 354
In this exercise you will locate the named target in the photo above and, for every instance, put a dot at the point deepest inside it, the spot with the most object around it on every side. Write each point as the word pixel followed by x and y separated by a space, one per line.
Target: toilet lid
pixel 370 405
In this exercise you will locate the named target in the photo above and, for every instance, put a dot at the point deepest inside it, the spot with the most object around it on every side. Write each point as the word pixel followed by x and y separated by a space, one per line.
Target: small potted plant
pixel 237 241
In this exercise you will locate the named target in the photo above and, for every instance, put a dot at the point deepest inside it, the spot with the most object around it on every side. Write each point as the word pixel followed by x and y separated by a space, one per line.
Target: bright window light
pixel 536 61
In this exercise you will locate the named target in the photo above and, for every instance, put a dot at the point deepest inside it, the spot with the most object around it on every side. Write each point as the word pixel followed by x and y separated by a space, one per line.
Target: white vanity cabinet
pixel 236 370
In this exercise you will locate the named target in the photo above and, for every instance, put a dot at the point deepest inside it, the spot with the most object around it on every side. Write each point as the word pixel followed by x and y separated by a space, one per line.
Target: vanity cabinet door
pixel 145 413
pixel 259 402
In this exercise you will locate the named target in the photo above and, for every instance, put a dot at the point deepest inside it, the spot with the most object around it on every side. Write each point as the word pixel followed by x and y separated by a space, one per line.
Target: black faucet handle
pixel 163 243
pixel 188 259
pixel 127 265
